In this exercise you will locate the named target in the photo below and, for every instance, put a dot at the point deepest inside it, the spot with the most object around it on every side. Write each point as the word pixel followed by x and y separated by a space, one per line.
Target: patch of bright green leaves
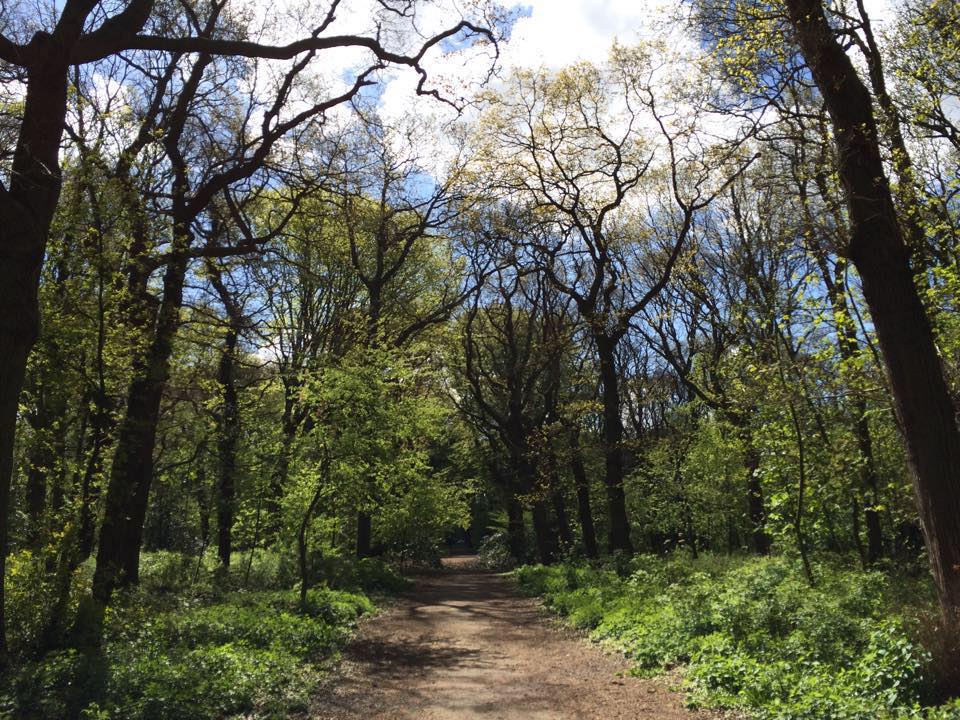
pixel 259 654
pixel 753 635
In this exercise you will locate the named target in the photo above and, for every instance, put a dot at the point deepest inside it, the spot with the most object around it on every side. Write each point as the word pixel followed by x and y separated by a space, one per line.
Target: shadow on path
pixel 463 645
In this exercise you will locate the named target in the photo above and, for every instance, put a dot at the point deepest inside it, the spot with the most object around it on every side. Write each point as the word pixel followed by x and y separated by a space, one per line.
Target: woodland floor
pixel 462 645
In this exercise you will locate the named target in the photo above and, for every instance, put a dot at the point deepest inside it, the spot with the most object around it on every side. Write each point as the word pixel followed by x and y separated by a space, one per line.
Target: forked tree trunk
pixel 878 250
pixel 125 504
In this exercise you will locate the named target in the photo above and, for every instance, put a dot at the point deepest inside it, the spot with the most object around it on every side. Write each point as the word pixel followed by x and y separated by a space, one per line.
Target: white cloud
pixel 881 13
pixel 560 32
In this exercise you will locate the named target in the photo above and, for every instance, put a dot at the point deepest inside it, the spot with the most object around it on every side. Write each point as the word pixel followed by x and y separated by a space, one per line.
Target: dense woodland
pixel 261 343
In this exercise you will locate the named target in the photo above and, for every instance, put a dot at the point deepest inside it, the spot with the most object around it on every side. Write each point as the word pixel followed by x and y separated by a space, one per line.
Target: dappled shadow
pixel 404 655
pixel 462 645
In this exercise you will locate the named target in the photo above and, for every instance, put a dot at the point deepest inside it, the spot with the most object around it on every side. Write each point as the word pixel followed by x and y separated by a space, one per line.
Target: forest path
pixel 463 645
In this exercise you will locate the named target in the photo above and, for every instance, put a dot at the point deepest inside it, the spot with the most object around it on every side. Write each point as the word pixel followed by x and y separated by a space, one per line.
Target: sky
pixel 555 33
pixel 558 32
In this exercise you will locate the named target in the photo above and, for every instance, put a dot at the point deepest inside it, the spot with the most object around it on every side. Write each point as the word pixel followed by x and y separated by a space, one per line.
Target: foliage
pixel 171 653
pixel 752 634
pixel 494 552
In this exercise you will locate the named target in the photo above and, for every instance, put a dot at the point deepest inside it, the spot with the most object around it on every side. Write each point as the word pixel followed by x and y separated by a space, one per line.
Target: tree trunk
pixel 125 505
pixel 848 346
pixel 302 555
pixel 100 424
pixel 374 312
pixel 364 534
pixel 756 508
pixel 877 249
pixel 872 485
pixel 562 517
pixel 801 493
pixel 26 211
pixel 584 511
pixel 40 462
pixel 541 532
pixel 202 495
pixel 12 365
pixel 278 481
pixel 619 537
pixel 229 437
pixel 228 420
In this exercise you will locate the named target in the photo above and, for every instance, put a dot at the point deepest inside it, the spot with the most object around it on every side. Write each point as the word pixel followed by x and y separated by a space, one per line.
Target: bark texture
pixel 880 254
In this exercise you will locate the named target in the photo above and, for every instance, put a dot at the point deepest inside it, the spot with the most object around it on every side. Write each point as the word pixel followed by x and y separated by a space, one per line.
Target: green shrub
pixel 253 653
pixel 754 635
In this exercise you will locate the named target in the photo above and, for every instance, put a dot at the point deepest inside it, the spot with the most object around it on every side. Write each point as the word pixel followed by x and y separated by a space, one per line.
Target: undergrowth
pixel 195 646
pixel 754 636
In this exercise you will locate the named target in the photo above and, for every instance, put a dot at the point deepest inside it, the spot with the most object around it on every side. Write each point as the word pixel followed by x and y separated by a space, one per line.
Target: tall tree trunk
pixel 875 542
pixel 26 211
pixel 125 504
pixel 228 420
pixel 39 464
pixel 202 495
pixel 375 310
pixel 364 534
pixel 47 453
pixel 563 518
pixel 848 346
pixel 229 437
pixel 907 185
pixel 756 507
pixel 561 527
pixel 12 365
pixel 541 532
pixel 877 249
pixel 585 513
pixel 278 481
pixel 323 482
pixel 100 425
pixel 619 534
pixel 801 495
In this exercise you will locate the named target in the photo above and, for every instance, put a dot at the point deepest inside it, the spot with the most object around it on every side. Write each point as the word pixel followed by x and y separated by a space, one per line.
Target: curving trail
pixel 462 645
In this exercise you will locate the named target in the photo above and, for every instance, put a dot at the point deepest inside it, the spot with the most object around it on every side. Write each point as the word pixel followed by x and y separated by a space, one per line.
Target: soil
pixel 463 645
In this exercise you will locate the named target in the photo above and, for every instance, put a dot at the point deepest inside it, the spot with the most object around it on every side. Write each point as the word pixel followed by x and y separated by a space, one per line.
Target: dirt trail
pixel 462 645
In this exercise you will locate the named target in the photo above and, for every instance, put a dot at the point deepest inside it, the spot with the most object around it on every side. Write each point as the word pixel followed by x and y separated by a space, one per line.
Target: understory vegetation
pixel 751 635
pixel 189 644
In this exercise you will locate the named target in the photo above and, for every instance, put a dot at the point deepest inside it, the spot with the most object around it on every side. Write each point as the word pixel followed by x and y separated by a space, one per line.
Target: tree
pixel 400 221
pixel 82 34
pixel 574 146
pixel 879 252
pixel 509 391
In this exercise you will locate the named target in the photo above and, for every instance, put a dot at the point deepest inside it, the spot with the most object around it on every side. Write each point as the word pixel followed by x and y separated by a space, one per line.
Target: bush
pixel 258 653
pixel 753 634
pixel 494 552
